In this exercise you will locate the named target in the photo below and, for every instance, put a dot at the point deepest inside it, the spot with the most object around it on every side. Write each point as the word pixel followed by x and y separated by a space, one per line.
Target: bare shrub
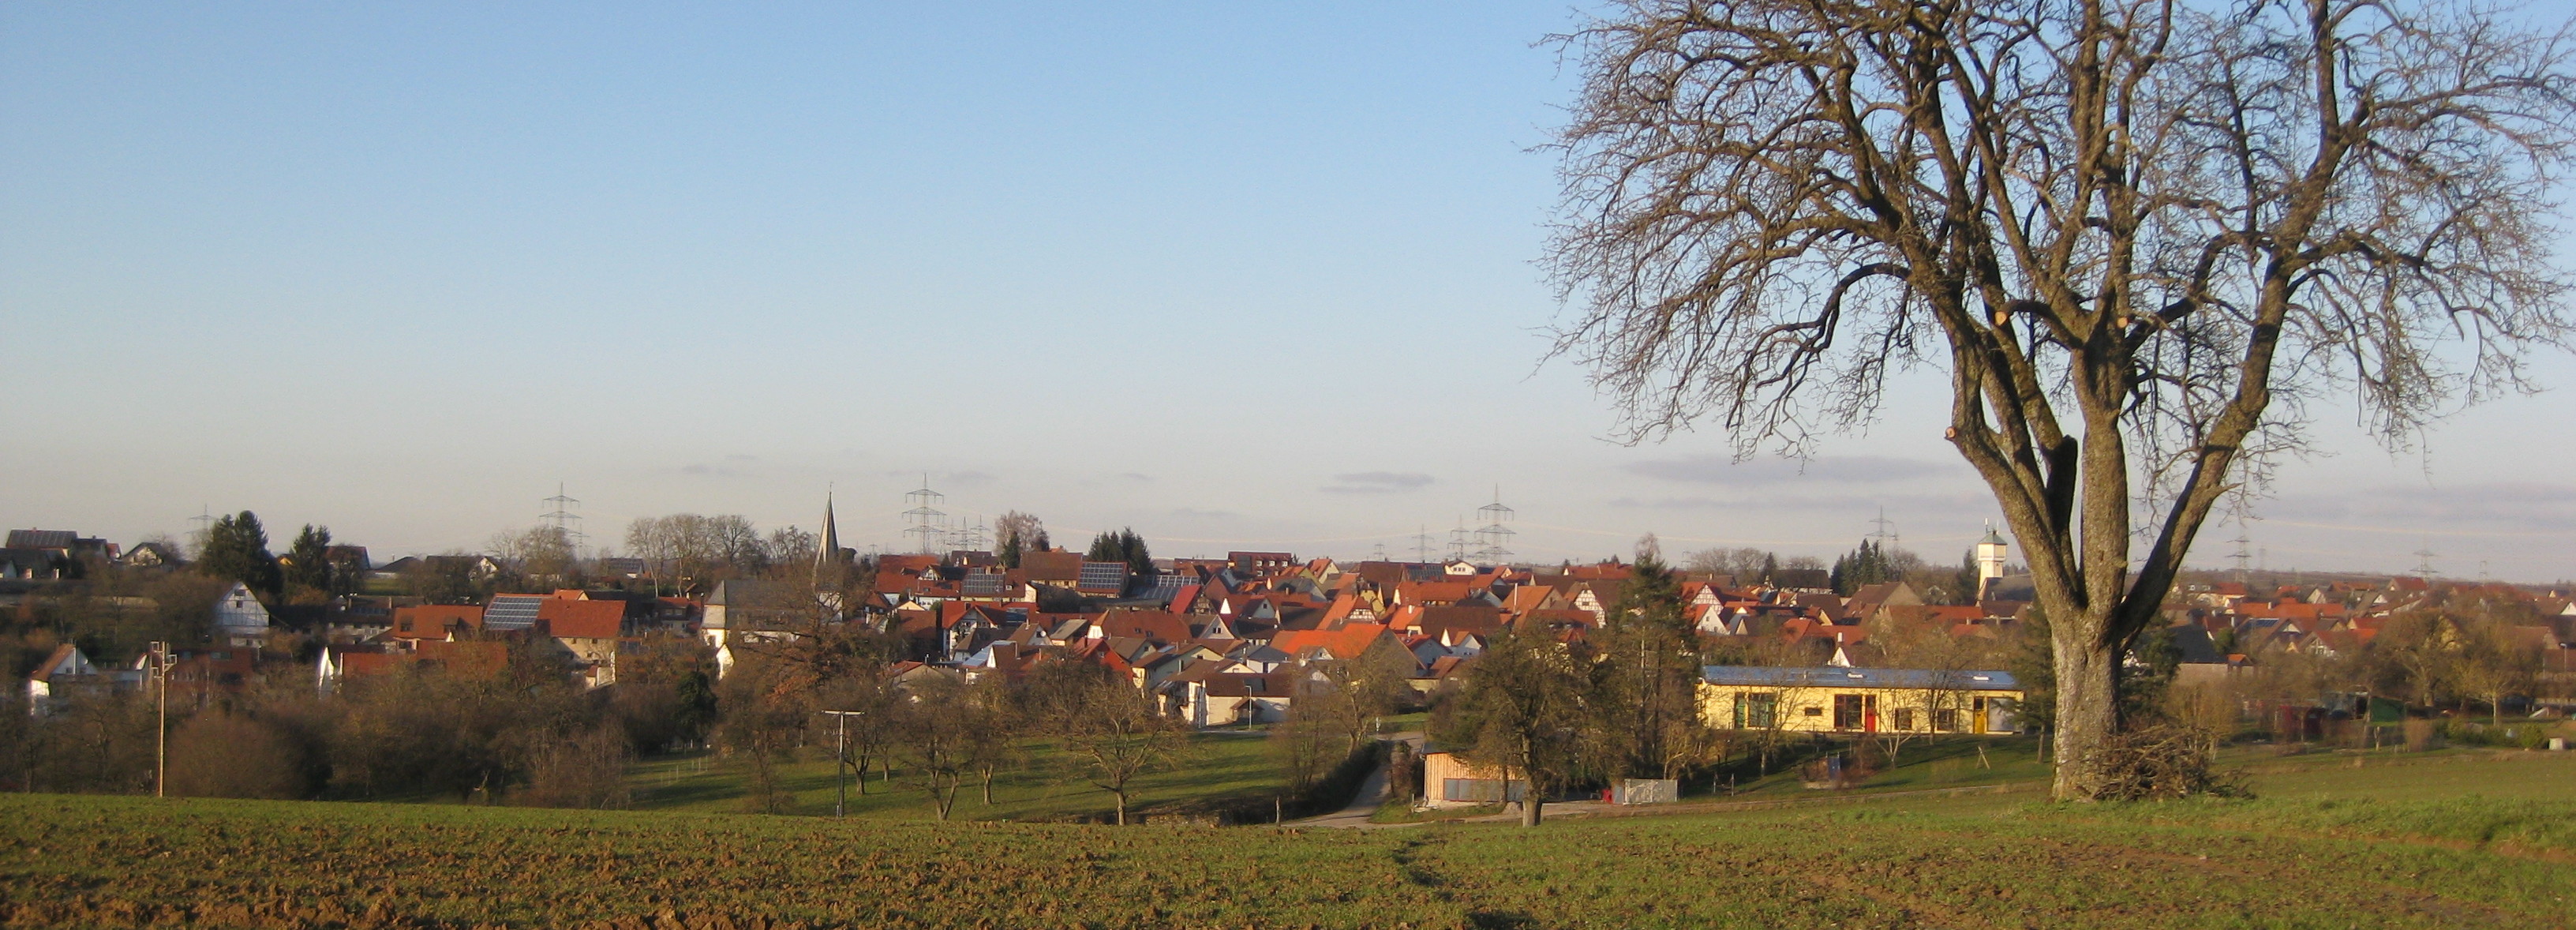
pixel 586 769
pixel 220 755
pixel 2159 763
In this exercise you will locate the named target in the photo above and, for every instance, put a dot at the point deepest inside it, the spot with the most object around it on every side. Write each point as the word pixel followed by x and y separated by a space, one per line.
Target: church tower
pixel 1990 560
pixel 831 565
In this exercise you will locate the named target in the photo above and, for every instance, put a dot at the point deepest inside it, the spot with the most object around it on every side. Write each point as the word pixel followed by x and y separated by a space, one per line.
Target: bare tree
pixel 2494 663
pixel 1115 734
pixel 2147 234
pixel 934 721
pixel 1521 710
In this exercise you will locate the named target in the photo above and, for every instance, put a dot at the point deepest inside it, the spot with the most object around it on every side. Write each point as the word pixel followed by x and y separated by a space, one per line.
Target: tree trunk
pixel 1122 807
pixel 1529 807
pixel 2087 706
pixel 988 787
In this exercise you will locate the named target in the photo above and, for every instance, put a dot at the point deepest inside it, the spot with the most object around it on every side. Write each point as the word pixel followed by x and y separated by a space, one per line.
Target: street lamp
pixel 841 760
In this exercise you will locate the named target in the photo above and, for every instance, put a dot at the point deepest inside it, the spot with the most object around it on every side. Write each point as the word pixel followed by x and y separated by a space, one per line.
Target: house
pixel 436 621
pixel 338 664
pixel 152 554
pixel 240 618
pixel 30 565
pixel 63 544
pixel 1859 700
pixel 1257 564
pixel 66 670
pixel 1054 569
pixel 587 629
pixel 195 676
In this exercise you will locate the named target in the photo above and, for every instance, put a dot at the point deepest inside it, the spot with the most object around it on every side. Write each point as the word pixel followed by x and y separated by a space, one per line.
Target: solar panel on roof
pixel 1103 575
pixel 511 612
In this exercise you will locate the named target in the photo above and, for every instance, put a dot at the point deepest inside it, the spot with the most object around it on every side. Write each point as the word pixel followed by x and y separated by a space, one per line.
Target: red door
pixel 1869 713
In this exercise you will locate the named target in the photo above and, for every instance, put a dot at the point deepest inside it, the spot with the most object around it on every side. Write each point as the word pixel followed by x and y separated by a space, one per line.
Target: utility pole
pixel 161 734
pixel 841 761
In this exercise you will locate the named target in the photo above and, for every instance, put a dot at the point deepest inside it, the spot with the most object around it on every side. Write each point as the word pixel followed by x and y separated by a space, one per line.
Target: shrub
pixel 2161 763
pixel 220 755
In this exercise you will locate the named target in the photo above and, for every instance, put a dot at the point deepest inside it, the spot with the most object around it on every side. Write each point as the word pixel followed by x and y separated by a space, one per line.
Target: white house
pixel 240 618
pixel 62 671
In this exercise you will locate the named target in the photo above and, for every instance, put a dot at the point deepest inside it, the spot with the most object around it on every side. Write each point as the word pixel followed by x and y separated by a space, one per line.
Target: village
pixel 1790 658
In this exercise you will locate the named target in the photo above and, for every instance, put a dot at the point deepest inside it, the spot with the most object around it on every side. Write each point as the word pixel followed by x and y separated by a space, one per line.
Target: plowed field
pixel 1973 862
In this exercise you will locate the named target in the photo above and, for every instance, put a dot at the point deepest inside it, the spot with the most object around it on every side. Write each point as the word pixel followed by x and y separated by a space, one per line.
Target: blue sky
pixel 1232 274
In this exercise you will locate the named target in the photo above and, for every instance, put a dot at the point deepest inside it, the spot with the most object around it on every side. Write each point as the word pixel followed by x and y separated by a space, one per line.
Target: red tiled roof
pixel 431 621
pixel 1345 643
pixel 478 660
pixel 567 619
pixel 1161 626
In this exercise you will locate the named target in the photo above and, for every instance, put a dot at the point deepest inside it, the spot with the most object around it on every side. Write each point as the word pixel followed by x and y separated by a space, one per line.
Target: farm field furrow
pixel 1973 861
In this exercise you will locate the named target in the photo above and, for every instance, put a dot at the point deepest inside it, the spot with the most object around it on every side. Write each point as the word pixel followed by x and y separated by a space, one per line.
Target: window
pixel 1756 711
pixel 1905 718
pixel 1946 720
pixel 1815 711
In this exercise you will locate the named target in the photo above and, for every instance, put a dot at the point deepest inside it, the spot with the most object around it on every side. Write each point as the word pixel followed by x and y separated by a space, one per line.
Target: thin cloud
pixel 1856 469
pixel 2462 509
pixel 1378 482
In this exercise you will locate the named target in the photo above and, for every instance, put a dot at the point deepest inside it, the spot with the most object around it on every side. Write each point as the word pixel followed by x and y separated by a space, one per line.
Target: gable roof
pixel 1161 626
pixel 1342 644
pixel 583 619
pixel 509 612
pixel 1052 567
pixel 430 621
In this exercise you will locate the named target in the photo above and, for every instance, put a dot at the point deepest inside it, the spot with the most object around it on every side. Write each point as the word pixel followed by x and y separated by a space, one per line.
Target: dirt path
pixel 1355 814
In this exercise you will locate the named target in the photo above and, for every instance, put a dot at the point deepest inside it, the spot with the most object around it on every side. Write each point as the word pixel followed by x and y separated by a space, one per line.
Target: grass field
pixel 1220 767
pixel 2453 839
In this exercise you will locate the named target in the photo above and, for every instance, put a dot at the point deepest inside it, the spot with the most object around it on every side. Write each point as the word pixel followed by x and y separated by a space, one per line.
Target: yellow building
pixel 1858 700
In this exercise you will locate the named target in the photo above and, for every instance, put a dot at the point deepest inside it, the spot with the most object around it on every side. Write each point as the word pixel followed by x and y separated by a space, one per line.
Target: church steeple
pixel 828 560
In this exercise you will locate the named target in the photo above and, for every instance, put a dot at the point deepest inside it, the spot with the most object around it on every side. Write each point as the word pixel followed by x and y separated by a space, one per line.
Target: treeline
pixel 524 731
pixel 521 728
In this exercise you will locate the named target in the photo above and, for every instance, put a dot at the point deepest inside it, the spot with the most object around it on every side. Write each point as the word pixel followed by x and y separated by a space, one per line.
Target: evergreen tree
pixel 1642 688
pixel 1104 548
pixel 308 562
pixel 1140 561
pixel 1966 582
pixel 1122 546
pixel 237 550
pixel 1010 554
pixel 1866 565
